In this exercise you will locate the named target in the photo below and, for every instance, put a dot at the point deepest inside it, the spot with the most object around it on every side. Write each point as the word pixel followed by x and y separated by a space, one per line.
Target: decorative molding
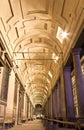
pixel 15 40
pixel 17 32
pixel 21 9
pixel 35 11
pixel 3 24
pixel 16 22
pixel 76 8
pixel 31 19
pixel 12 14
pixel 1 44
pixel 53 7
pixel 4 42
pixel 45 26
pixel 29 42
pixel 9 29
pixel 8 60
pixel 2 37
pixel 38 11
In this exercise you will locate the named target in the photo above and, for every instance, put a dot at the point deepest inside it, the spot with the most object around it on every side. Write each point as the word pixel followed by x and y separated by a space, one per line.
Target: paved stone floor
pixel 30 125
pixel 33 125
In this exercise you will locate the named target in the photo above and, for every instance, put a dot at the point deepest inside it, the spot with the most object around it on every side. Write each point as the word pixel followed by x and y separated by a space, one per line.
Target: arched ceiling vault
pixel 35 51
pixel 32 31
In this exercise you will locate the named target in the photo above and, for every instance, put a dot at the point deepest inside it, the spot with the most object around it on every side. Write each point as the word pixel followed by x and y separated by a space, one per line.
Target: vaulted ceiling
pixel 32 33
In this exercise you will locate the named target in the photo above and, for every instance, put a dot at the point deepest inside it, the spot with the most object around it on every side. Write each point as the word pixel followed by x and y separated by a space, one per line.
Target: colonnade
pixel 62 103
pixel 15 105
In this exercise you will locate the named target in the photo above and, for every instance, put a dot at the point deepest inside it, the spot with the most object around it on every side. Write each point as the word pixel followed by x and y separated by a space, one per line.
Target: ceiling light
pixel 64 35
pixel 61 34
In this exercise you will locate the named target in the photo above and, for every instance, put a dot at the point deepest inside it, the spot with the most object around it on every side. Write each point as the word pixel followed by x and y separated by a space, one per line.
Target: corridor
pixel 41 64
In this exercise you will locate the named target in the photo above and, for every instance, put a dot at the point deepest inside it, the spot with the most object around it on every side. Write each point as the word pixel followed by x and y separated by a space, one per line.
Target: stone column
pixel 69 94
pixel 46 110
pixel 49 114
pixel 5 82
pixel 50 105
pixel 62 87
pixel 46 114
pixel 18 89
pixel 58 98
pixel 27 108
pixel 29 113
pixel 54 108
pixel 10 97
pixel 79 81
pixel 20 106
pixel 1 76
pixel 24 106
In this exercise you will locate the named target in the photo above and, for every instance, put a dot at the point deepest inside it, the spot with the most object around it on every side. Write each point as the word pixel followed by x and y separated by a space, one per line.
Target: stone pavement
pixel 33 125
pixel 30 125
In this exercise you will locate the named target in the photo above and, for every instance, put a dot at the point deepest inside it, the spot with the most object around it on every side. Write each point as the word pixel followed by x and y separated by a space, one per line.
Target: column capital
pixel 76 51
